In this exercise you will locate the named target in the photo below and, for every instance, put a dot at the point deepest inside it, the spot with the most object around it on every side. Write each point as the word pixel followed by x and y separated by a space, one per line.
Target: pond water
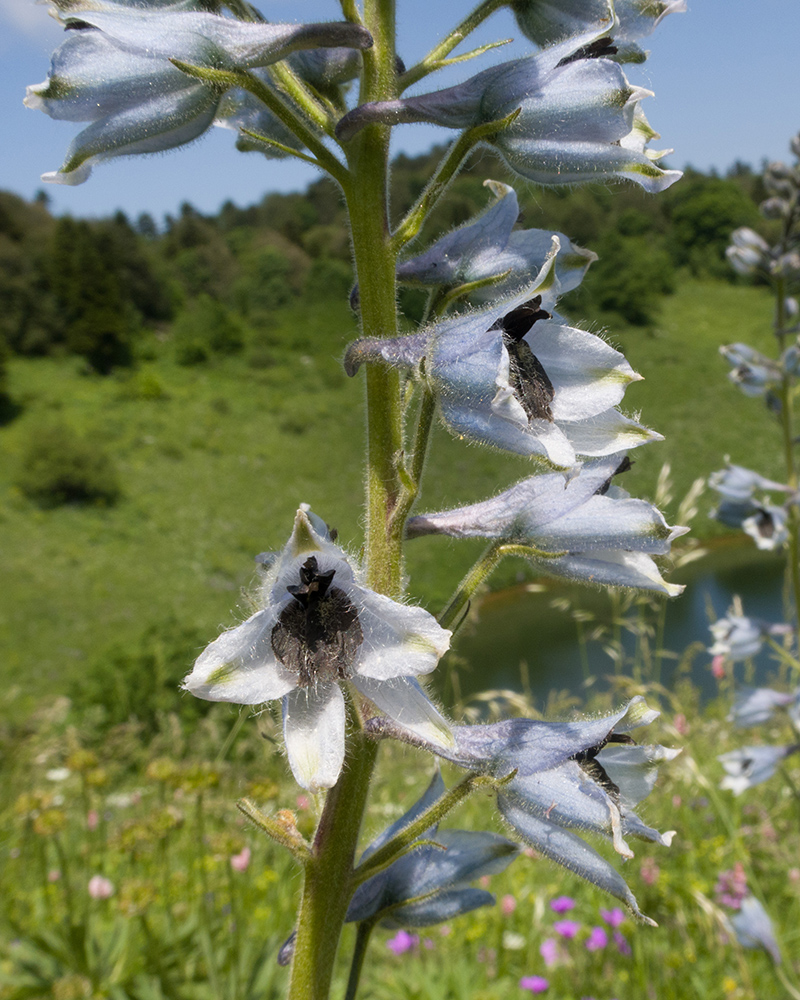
pixel 520 625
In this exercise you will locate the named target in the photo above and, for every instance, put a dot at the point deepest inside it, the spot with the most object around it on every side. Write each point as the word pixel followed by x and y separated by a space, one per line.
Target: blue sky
pixel 726 77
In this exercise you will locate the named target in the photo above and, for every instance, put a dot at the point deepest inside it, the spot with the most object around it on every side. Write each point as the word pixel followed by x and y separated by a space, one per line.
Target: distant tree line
pixel 92 288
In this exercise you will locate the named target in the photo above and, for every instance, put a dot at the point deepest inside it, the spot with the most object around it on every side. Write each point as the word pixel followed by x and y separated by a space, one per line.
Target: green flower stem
pixel 328 883
pixel 413 479
pixel 276 104
pixel 445 172
pixel 359 954
pixel 290 83
pixel 405 838
pixel 453 615
pixel 454 611
pixel 279 832
pixel 433 59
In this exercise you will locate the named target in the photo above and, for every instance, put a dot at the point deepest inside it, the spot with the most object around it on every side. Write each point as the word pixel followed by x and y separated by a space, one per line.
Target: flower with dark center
pixel 319 628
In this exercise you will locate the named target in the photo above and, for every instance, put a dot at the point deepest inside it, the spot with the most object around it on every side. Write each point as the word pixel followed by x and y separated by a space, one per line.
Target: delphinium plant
pixel 332 637
pixel 766 510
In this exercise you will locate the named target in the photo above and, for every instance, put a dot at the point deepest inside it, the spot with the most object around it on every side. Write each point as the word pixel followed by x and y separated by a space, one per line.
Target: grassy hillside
pixel 213 460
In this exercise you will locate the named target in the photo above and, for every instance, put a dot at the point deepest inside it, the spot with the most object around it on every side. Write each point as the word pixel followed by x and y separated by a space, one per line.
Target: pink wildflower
pixel 731 887
pixel 402 942
pixel 550 952
pixel 92 819
pixel 241 861
pixel 718 667
pixel 303 801
pixel 561 904
pixel 53 875
pixel 536 984
pixel 597 939
pixel 507 905
pixel 649 871
pixel 100 887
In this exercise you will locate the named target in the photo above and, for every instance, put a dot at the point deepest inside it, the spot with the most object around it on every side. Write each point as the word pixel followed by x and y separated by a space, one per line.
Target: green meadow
pixel 212 461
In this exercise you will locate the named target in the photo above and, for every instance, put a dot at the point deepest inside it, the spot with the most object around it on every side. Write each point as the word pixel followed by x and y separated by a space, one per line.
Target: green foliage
pixel 333 276
pixel 203 329
pixel 60 466
pixel 630 278
pixel 140 682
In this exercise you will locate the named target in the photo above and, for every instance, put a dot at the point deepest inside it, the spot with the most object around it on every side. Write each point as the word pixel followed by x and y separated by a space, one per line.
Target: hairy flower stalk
pixel 331 637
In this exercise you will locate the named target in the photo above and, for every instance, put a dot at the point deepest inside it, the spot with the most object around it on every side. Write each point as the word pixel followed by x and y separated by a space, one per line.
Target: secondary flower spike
pixel 115 70
pixel 588 775
pixel 585 528
pixel 508 375
pixel 317 628
pixel 578 120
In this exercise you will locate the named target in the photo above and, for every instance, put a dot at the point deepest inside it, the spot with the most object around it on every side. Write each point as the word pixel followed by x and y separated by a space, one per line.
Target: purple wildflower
pixel 621 942
pixel 566 928
pixel 562 904
pixel 402 942
pixel 597 940
pixel 613 917
pixel 536 984
pixel 731 887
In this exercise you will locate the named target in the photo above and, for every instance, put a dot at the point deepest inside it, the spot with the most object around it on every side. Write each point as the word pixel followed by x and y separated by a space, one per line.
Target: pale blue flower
pixel 753 928
pixel 584 527
pixel 586 775
pixel 754 706
pixel 549 21
pixel 751 766
pixel 506 375
pixel 753 372
pixel 737 637
pixel 738 484
pixel 748 251
pixel 115 71
pixel 579 118
pixel 429 884
pixel 768 527
pixel 318 625
pixel 489 246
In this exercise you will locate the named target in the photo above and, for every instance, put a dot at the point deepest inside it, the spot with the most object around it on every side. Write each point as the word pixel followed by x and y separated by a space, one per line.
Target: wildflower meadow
pixel 291 781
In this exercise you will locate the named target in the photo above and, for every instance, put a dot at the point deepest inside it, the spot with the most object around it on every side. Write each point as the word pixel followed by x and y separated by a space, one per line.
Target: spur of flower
pixel 556 777
pixel 577 116
pixel 318 628
pixel 584 527
pixel 511 376
pixel 118 70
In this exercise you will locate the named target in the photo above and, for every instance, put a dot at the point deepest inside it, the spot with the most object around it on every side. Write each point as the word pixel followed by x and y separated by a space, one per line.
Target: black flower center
pixel 528 379
pixel 586 760
pixel 600 48
pixel 623 466
pixel 318 633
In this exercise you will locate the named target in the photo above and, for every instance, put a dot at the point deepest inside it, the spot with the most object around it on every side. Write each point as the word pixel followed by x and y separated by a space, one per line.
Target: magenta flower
pixel 613 917
pixel 597 940
pixel 507 905
pixel 402 942
pixel 536 984
pixel 566 928
pixel 100 887
pixel 731 887
pixel 562 904
pixel 241 861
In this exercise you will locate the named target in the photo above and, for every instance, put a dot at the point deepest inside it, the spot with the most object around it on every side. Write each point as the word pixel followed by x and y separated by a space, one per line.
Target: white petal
pixel 607 433
pixel 240 666
pixel 399 639
pixel 313 729
pixel 404 701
